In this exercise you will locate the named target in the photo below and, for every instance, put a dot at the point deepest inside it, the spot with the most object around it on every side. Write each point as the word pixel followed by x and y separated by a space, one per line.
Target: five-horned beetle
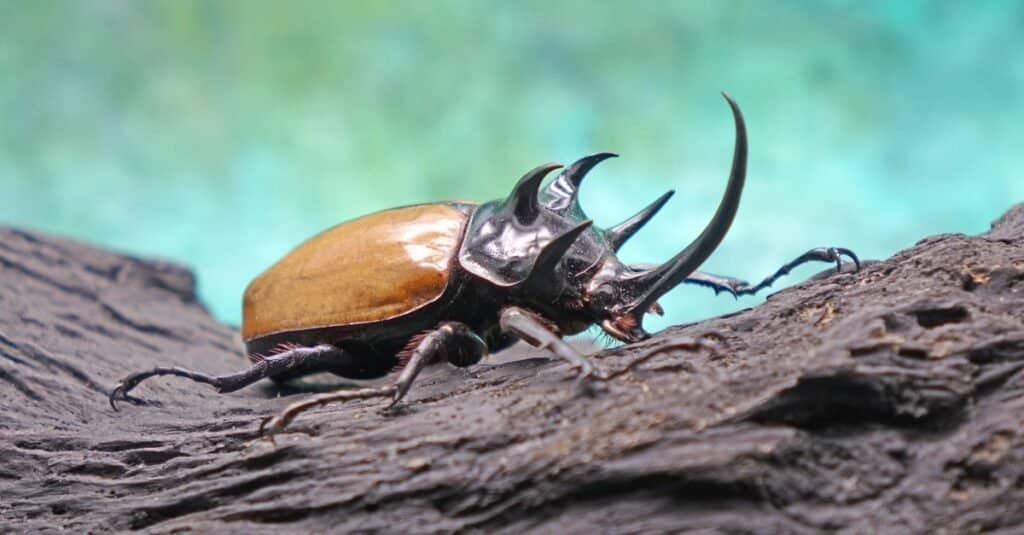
pixel 452 281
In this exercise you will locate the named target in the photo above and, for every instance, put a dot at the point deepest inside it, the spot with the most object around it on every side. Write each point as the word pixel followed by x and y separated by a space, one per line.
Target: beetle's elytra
pixel 401 259
pixel 401 288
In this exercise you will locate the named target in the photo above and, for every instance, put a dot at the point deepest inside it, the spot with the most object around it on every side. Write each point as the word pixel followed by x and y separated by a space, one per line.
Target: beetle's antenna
pixel 563 190
pixel 668 275
pixel 618 234
pixel 553 252
pixel 523 199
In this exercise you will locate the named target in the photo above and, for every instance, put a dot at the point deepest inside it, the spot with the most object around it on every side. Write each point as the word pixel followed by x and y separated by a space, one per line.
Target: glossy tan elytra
pixel 401 259
pixel 402 288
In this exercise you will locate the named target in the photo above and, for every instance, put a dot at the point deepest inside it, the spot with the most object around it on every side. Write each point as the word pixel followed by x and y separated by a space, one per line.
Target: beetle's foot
pixel 590 382
pixel 395 408
pixel 589 387
pixel 120 393
pixel 400 388
pixel 270 426
pixel 273 425
pixel 836 254
pixel 729 285
pixel 396 400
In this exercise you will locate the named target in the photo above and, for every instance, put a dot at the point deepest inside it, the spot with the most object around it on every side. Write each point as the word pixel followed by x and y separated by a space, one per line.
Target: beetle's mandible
pixel 402 288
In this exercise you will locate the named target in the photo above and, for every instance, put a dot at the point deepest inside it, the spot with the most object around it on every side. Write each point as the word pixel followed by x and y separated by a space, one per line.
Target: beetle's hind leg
pixel 452 341
pixel 738 287
pixel 300 358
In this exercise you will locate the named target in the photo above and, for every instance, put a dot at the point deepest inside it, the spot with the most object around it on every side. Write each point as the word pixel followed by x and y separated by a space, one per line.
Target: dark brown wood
pixel 887 401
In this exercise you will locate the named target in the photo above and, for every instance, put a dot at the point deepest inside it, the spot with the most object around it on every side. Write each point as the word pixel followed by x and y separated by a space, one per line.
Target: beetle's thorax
pixel 505 257
pixel 544 256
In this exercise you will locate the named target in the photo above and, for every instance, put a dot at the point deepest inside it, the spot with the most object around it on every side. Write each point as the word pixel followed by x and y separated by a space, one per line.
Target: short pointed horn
pixel 579 169
pixel 618 234
pixel 553 252
pixel 523 199
pixel 563 190
pixel 671 273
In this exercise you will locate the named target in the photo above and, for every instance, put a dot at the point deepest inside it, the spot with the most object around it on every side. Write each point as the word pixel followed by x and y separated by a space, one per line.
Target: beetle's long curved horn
pixel 618 234
pixel 666 276
pixel 555 249
pixel 563 190
pixel 523 199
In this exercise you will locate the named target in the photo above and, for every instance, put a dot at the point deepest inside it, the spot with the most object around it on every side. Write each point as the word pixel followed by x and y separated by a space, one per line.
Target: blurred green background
pixel 221 134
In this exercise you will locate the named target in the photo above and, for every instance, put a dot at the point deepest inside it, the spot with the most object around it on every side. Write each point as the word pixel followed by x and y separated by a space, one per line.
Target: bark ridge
pixel 890 400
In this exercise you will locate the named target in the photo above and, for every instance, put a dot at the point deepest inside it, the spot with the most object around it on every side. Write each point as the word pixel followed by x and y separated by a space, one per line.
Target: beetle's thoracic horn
pixel 555 249
pixel 579 169
pixel 618 234
pixel 563 189
pixel 523 200
pixel 660 280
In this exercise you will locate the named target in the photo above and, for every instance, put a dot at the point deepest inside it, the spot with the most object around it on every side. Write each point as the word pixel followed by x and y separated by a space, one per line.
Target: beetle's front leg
pixel 739 287
pixel 533 331
pixel 454 341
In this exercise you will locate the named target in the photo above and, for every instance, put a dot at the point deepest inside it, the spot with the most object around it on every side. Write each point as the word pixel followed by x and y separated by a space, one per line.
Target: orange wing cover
pixel 376 267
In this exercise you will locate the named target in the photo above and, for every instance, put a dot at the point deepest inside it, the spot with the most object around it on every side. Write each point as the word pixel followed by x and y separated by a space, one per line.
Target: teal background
pixel 221 134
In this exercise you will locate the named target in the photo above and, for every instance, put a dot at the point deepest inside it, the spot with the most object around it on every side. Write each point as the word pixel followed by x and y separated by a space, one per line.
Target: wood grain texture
pixel 371 268
pixel 887 401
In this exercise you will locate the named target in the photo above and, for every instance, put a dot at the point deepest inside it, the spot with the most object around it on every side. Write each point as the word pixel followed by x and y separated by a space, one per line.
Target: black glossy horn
pixel 666 276
pixel 618 234
pixel 552 253
pixel 523 199
pixel 563 190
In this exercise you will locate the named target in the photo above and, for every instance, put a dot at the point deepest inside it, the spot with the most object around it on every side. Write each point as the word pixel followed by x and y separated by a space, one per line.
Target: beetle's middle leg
pixel 300 358
pixel 453 341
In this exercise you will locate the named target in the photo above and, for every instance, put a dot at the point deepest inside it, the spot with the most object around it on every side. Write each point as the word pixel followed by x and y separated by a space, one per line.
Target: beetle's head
pixel 538 246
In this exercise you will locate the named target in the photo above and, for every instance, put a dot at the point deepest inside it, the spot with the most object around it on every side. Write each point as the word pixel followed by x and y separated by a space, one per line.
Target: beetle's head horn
pixel 620 295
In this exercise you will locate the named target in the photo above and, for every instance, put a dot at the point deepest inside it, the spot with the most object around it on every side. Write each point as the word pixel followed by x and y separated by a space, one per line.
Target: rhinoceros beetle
pixel 402 288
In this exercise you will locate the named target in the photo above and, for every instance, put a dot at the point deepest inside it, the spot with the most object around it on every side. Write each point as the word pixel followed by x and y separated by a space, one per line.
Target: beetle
pixel 401 288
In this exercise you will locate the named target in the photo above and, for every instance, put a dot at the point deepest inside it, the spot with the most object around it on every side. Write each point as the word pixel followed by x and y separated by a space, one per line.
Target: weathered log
pixel 890 400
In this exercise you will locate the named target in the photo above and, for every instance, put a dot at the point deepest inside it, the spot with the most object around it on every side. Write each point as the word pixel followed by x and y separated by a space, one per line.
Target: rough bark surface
pixel 886 401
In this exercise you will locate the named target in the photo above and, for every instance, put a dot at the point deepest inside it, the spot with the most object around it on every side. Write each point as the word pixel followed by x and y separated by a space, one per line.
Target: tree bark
pixel 885 401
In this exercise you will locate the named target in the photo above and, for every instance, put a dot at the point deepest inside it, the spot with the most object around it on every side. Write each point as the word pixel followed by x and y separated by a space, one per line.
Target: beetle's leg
pixel 740 287
pixel 533 331
pixel 275 424
pixel 717 283
pixel 271 366
pixel 454 341
pixel 445 341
